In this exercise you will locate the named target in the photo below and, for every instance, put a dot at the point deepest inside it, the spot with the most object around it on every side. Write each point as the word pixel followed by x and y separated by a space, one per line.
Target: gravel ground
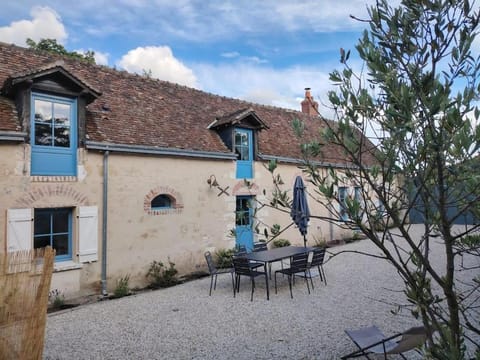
pixel 183 322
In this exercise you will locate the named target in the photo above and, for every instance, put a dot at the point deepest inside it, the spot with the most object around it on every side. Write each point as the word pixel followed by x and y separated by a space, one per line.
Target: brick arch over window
pixel 242 188
pixel 174 196
pixel 52 195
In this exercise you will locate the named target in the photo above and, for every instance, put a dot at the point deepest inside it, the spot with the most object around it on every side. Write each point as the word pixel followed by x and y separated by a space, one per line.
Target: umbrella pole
pixel 304 241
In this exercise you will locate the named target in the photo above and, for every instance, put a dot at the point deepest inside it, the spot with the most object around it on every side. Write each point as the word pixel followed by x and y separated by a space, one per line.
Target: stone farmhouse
pixel 116 170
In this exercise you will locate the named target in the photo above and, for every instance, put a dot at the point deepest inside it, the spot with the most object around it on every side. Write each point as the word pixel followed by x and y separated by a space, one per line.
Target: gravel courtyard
pixel 183 322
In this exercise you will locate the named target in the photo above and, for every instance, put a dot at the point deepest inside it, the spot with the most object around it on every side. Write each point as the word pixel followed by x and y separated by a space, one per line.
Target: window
pixel 53 135
pixel 161 202
pixel 243 147
pixel 243 221
pixel 53 227
pixel 243 213
pixel 358 203
pixel 342 201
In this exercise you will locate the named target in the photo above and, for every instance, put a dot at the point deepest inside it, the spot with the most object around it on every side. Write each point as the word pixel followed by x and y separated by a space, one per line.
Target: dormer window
pixel 238 131
pixel 55 116
pixel 243 147
pixel 53 135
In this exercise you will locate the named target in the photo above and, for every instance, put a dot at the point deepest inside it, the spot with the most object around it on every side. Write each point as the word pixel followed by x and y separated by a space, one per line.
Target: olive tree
pixel 415 98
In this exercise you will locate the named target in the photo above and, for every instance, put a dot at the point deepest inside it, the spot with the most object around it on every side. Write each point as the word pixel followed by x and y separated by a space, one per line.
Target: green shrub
pixel 281 242
pixel 223 258
pixel 321 243
pixel 160 276
pixel 122 289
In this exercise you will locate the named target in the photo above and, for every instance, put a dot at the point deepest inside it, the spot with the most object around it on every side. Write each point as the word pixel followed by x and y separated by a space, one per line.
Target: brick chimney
pixel 309 106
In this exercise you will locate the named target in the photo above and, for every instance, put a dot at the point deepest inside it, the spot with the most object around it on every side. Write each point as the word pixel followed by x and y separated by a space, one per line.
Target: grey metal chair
pixel 260 246
pixel 243 267
pixel 214 271
pixel 241 250
pixel 298 264
pixel 370 340
pixel 317 261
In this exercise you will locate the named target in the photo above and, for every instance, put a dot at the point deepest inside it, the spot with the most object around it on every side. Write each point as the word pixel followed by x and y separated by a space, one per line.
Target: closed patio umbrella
pixel 300 213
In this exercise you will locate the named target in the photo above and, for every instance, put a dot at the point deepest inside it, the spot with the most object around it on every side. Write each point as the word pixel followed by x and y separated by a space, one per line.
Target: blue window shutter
pixel 243 147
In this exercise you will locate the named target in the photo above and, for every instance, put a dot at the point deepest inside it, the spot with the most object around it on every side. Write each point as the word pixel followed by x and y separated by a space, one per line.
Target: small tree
pixel 425 151
pixel 51 46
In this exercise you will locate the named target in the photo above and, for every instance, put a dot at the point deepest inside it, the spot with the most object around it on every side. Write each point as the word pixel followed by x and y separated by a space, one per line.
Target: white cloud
pixel 101 58
pixel 231 54
pixel 45 24
pixel 161 62
pixel 265 85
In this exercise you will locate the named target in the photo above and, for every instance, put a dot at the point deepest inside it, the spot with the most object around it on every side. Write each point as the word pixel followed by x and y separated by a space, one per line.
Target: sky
pixel 265 51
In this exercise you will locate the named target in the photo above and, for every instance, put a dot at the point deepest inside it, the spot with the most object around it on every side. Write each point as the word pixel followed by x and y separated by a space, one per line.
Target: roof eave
pixel 161 151
pixel 13 136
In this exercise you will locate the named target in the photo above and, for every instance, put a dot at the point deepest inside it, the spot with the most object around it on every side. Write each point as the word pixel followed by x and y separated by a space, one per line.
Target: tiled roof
pixel 237 117
pixel 8 116
pixel 58 65
pixel 135 110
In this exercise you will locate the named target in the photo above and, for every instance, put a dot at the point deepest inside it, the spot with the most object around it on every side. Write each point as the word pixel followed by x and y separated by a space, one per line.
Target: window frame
pixel 342 211
pixel 51 160
pixel 244 168
pixel 51 211
pixel 169 206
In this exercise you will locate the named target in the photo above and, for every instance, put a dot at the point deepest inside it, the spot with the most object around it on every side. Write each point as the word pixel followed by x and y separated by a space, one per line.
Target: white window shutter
pixel 19 229
pixel 87 233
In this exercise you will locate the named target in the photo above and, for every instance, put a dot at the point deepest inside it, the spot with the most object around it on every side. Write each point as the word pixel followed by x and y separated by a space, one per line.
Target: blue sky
pixel 262 51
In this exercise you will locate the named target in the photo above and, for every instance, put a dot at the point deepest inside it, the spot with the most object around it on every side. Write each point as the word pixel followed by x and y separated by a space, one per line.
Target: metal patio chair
pixel 370 340
pixel 241 250
pixel 260 246
pixel 298 264
pixel 214 271
pixel 243 267
pixel 317 261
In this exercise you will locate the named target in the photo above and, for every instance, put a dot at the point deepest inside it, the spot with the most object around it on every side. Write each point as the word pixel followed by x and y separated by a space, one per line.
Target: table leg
pixel 266 280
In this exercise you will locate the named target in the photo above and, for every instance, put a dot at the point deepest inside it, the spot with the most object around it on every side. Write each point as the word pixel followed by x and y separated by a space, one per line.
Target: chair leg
pixel 306 280
pixel 236 285
pixel 266 287
pixel 275 282
pixel 290 285
pixel 324 277
pixel 211 284
pixel 253 288
pixel 233 284
pixel 311 279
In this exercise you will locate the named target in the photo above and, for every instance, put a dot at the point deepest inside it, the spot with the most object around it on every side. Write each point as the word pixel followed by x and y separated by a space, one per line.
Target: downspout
pixel 104 224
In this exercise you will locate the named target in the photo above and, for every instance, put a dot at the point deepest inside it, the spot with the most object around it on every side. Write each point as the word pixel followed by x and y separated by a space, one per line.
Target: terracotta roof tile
pixel 8 116
pixel 141 111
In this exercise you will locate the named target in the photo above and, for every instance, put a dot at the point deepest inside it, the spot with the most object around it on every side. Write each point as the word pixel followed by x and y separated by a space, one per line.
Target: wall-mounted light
pixel 212 181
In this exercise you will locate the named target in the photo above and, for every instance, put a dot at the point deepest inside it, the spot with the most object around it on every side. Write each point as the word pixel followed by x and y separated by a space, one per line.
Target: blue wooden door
pixel 244 221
